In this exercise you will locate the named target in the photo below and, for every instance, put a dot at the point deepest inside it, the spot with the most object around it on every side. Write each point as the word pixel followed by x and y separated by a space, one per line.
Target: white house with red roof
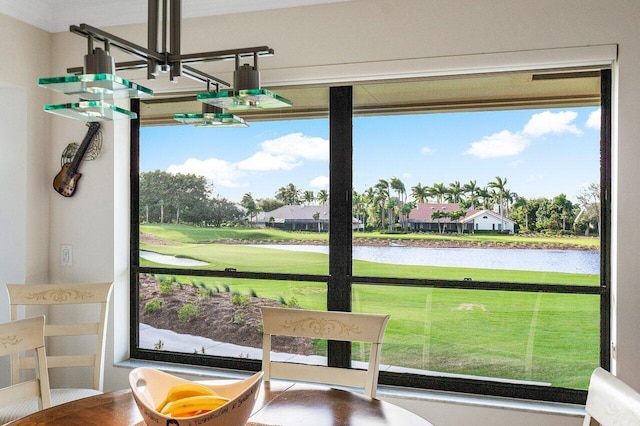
pixel 422 218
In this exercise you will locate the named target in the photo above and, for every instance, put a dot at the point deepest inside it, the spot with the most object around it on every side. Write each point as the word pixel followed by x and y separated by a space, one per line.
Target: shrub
pixel 226 287
pixel 152 306
pixel 240 300
pixel 188 313
pixel 166 287
pixel 204 293
pixel 238 318
pixel 253 293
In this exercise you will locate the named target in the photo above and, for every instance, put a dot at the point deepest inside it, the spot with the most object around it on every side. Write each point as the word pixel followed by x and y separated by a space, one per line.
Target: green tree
pixel 589 202
pixel 289 195
pixel 499 185
pixel 269 204
pixel 439 191
pixel 250 205
pixel 471 189
pixel 398 186
pixel 454 192
pixel 420 193
pixel 382 198
pixel 322 197
pixel 308 197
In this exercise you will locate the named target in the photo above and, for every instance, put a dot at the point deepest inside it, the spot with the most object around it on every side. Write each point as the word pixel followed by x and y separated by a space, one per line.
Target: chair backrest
pixel 610 401
pixel 49 295
pixel 19 336
pixel 329 325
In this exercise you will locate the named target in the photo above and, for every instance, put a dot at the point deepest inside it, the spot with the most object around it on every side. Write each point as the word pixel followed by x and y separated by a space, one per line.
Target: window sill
pixel 384 391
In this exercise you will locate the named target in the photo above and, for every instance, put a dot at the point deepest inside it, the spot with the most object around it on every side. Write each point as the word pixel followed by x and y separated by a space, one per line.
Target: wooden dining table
pixel 278 403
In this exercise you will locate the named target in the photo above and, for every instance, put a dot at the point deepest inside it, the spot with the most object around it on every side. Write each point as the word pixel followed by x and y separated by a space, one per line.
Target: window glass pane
pixel 538 338
pixel 508 196
pixel 235 198
pixel 219 316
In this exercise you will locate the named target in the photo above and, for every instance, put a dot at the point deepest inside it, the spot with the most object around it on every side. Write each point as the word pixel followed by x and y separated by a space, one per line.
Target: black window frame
pixel 340 279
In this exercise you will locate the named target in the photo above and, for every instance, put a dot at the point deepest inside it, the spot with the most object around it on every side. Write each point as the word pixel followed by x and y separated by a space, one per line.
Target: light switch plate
pixel 66 255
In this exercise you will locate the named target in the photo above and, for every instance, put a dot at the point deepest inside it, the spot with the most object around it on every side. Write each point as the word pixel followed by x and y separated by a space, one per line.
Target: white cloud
pixel 426 150
pixel 320 182
pixel 220 172
pixel 264 161
pixel 299 146
pixel 283 153
pixel 593 122
pixel 551 122
pixel 503 144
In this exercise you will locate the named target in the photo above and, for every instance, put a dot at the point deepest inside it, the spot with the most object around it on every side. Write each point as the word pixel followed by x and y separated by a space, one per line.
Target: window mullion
pixel 340 193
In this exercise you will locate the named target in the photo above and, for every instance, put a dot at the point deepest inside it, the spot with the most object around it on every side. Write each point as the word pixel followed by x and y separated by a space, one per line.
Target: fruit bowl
pixel 151 388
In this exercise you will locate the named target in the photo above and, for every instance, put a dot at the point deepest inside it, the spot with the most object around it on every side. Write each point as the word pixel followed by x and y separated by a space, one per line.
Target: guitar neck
pixel 75 163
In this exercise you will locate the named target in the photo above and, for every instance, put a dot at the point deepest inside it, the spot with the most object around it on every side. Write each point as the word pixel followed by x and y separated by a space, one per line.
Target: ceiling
pixel 558 89
pixel 58 15
pixel 457 93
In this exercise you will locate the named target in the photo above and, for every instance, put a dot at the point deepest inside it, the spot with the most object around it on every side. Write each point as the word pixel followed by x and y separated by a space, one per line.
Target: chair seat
pixel 30 406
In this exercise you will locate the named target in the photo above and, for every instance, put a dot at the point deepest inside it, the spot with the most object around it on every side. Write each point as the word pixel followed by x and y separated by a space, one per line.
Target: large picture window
pixel 470 209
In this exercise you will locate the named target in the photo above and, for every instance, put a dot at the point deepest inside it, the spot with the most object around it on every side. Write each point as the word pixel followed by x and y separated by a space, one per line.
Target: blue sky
pixel 541 153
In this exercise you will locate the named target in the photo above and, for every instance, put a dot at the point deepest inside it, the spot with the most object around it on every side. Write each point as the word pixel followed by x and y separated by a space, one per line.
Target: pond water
pixel 569 261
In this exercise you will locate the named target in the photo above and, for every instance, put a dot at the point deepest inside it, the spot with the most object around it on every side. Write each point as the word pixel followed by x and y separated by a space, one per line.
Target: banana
pixel 193 404
pixel 184 390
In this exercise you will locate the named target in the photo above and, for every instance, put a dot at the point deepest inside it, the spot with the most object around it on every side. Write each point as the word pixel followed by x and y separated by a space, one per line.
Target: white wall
pixel 334 42
pixel 24 215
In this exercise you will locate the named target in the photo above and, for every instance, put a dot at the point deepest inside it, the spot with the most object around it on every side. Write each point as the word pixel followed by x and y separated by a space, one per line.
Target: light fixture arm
pixel 171 60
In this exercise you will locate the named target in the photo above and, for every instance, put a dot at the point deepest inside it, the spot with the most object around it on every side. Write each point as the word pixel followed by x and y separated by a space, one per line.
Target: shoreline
pixel 383 242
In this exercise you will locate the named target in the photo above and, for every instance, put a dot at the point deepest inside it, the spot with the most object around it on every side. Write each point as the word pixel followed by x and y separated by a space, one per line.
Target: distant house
pixel 299 218
pixel 488 220
pixel 423 218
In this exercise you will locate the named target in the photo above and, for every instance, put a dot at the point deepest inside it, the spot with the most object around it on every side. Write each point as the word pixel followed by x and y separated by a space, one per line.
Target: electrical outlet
pixel 66 255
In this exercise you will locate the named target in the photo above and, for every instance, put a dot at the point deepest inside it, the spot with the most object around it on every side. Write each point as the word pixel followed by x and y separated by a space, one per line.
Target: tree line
pixel 385 206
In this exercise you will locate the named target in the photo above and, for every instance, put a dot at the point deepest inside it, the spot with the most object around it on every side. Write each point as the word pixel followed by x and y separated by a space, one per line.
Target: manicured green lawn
pixel 539 337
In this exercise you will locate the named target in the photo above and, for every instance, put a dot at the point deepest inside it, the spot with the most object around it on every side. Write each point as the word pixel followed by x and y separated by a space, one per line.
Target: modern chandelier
pixel 96 82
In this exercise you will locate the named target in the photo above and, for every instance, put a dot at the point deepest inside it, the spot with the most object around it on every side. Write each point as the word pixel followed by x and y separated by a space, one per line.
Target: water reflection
pixel 568 261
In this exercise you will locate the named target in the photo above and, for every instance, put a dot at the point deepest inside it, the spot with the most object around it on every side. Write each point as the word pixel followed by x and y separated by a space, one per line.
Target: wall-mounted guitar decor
pixel 67 178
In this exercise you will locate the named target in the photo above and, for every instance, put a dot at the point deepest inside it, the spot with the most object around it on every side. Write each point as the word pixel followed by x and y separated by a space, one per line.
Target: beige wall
pixel 334 42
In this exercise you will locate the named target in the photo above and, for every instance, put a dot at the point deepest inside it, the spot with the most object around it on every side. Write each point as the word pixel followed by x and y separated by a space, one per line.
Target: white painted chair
pixel 16 337
pixel 610 401
pixel 86 351
pixel 329 325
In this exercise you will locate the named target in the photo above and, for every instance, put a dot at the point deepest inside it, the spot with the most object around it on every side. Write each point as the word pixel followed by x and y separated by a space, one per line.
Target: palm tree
pixel 486 197
pixel 437 215
pixel 454 192
pixel 499 184
pixel 472 189
pixel 456 217
pixel 289 194
pixel 308 197
pixel 398 186
pixel 439 191
pixel 420 193
pixel 382 195
pixel 322 197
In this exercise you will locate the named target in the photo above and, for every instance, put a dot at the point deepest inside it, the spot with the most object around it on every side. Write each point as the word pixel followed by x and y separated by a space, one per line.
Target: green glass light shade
pixel 96 86
pixel 209 119
pixel 242 100
pixel 90 111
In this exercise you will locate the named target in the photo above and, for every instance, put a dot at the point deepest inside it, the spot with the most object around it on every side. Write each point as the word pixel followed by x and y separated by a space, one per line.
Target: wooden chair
pixel 85 351
pixel 17 337
pixel 330 325
pixel 610 401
